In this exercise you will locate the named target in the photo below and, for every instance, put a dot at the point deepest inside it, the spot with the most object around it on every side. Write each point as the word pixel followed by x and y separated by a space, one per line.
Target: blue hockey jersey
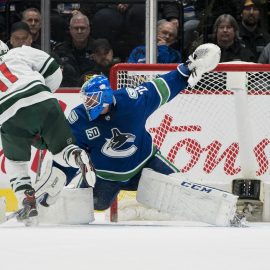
pixel 118 142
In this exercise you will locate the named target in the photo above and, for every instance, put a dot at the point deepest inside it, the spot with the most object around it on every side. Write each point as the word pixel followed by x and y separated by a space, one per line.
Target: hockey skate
pixel 29 209
pixel 239 220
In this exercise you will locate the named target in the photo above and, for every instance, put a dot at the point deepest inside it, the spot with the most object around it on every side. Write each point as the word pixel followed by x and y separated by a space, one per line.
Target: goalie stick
pixel 40 160
pixel 15 214
pixel 84 168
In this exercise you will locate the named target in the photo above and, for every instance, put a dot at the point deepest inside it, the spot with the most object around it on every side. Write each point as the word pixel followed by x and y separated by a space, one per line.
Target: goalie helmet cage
pixel 216 132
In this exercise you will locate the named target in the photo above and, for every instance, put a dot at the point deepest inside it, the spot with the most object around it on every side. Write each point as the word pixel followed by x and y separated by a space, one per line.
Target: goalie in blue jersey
pixel 110 125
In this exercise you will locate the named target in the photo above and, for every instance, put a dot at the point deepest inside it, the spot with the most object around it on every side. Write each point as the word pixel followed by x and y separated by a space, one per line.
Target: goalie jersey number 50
pixel 92 133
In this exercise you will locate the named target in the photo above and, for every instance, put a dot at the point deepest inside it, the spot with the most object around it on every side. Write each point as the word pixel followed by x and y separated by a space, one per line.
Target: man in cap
pixel 252 35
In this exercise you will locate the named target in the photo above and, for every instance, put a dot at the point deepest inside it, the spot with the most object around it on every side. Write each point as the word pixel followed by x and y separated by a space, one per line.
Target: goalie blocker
pixel 186 199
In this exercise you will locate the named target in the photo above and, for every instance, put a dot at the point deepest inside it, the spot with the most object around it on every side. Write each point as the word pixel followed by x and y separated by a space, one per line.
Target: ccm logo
pixel 196 187
pixel 54 182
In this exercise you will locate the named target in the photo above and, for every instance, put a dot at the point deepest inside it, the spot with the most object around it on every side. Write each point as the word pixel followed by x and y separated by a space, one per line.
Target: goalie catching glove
pixel 204 59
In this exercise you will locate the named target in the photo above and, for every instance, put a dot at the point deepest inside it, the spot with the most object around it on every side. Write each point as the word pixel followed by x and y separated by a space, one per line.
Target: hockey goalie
pixel 110 127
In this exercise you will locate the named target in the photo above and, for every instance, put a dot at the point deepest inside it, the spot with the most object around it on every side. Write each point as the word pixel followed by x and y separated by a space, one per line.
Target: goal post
pixel 216 132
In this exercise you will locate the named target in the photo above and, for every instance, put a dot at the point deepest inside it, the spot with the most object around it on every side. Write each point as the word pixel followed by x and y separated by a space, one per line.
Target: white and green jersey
pixel 27 76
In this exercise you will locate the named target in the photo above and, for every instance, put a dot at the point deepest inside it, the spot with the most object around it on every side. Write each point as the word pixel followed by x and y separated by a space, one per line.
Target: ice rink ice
pixel 134 246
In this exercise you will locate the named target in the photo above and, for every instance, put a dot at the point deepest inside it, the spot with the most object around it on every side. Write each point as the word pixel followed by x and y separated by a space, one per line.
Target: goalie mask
pixel 96 94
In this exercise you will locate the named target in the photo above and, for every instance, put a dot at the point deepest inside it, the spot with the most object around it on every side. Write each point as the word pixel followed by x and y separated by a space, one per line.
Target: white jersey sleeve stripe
pixel 49 67
pixel 19 91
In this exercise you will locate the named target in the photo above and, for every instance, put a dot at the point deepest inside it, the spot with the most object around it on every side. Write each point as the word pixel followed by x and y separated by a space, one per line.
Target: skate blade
pixel 31 221
pixel 239 221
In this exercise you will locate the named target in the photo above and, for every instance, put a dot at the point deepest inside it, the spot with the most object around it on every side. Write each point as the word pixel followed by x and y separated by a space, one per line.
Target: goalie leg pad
pixel 52 183
pixel 74 206
pixel 2 209
pixel 185 199
pixel 130 209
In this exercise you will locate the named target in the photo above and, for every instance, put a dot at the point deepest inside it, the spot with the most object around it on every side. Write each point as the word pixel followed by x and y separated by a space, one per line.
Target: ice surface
pixel 134 246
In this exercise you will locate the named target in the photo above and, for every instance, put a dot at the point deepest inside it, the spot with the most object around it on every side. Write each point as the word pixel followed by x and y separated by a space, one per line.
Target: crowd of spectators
pixel 89 37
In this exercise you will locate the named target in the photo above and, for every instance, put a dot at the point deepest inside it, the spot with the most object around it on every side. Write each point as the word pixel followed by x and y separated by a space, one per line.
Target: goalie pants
pixel 42 125
pixel 106 191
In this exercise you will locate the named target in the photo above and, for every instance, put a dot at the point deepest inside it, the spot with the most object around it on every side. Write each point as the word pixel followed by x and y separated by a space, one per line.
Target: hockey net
pixel 214 133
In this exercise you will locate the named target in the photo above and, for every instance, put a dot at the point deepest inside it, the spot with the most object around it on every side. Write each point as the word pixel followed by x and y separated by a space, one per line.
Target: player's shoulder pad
pixel 76 114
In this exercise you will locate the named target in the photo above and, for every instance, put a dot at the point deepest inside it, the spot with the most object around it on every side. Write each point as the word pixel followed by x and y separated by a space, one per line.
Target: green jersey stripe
pixel 161 157
pixel 163 89
pixel 26 88
pixel 49 67
pixel 18 95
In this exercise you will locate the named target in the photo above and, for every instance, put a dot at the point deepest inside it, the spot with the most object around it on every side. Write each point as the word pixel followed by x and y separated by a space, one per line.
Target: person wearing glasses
pixel 74 53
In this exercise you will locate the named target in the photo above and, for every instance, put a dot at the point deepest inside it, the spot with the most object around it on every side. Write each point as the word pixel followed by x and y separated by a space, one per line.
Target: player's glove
pixel 204 59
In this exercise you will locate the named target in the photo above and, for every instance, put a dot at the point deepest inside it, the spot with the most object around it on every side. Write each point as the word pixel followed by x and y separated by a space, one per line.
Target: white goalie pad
pixel 191 201
pixel 52 182
pixel 131 210
pixel 74 207
pixel 2 209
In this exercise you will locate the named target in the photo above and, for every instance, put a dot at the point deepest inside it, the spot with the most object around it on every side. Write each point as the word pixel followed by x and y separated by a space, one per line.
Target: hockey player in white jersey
pixel 31 115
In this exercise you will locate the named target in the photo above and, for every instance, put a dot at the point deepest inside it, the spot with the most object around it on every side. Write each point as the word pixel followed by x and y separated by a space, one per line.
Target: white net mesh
pixel 217 131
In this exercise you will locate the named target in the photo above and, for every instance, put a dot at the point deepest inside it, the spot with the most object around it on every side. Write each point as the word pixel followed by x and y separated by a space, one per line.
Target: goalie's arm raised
pixel 149 96
pixel 205 58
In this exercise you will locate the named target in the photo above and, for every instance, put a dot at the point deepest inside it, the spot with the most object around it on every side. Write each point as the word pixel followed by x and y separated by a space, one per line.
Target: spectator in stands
pixel 2 28
pixel 32 17
pixel 191 22
pixel 166 35
pixel 2 20
pixel 123 25
pixel 199 29
pixel 59 26
pixel 75 52
pixel 265 55
pixel 226 36
pixel 252 35
pixel 172 12
pixel 20 35
pixel 103 58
